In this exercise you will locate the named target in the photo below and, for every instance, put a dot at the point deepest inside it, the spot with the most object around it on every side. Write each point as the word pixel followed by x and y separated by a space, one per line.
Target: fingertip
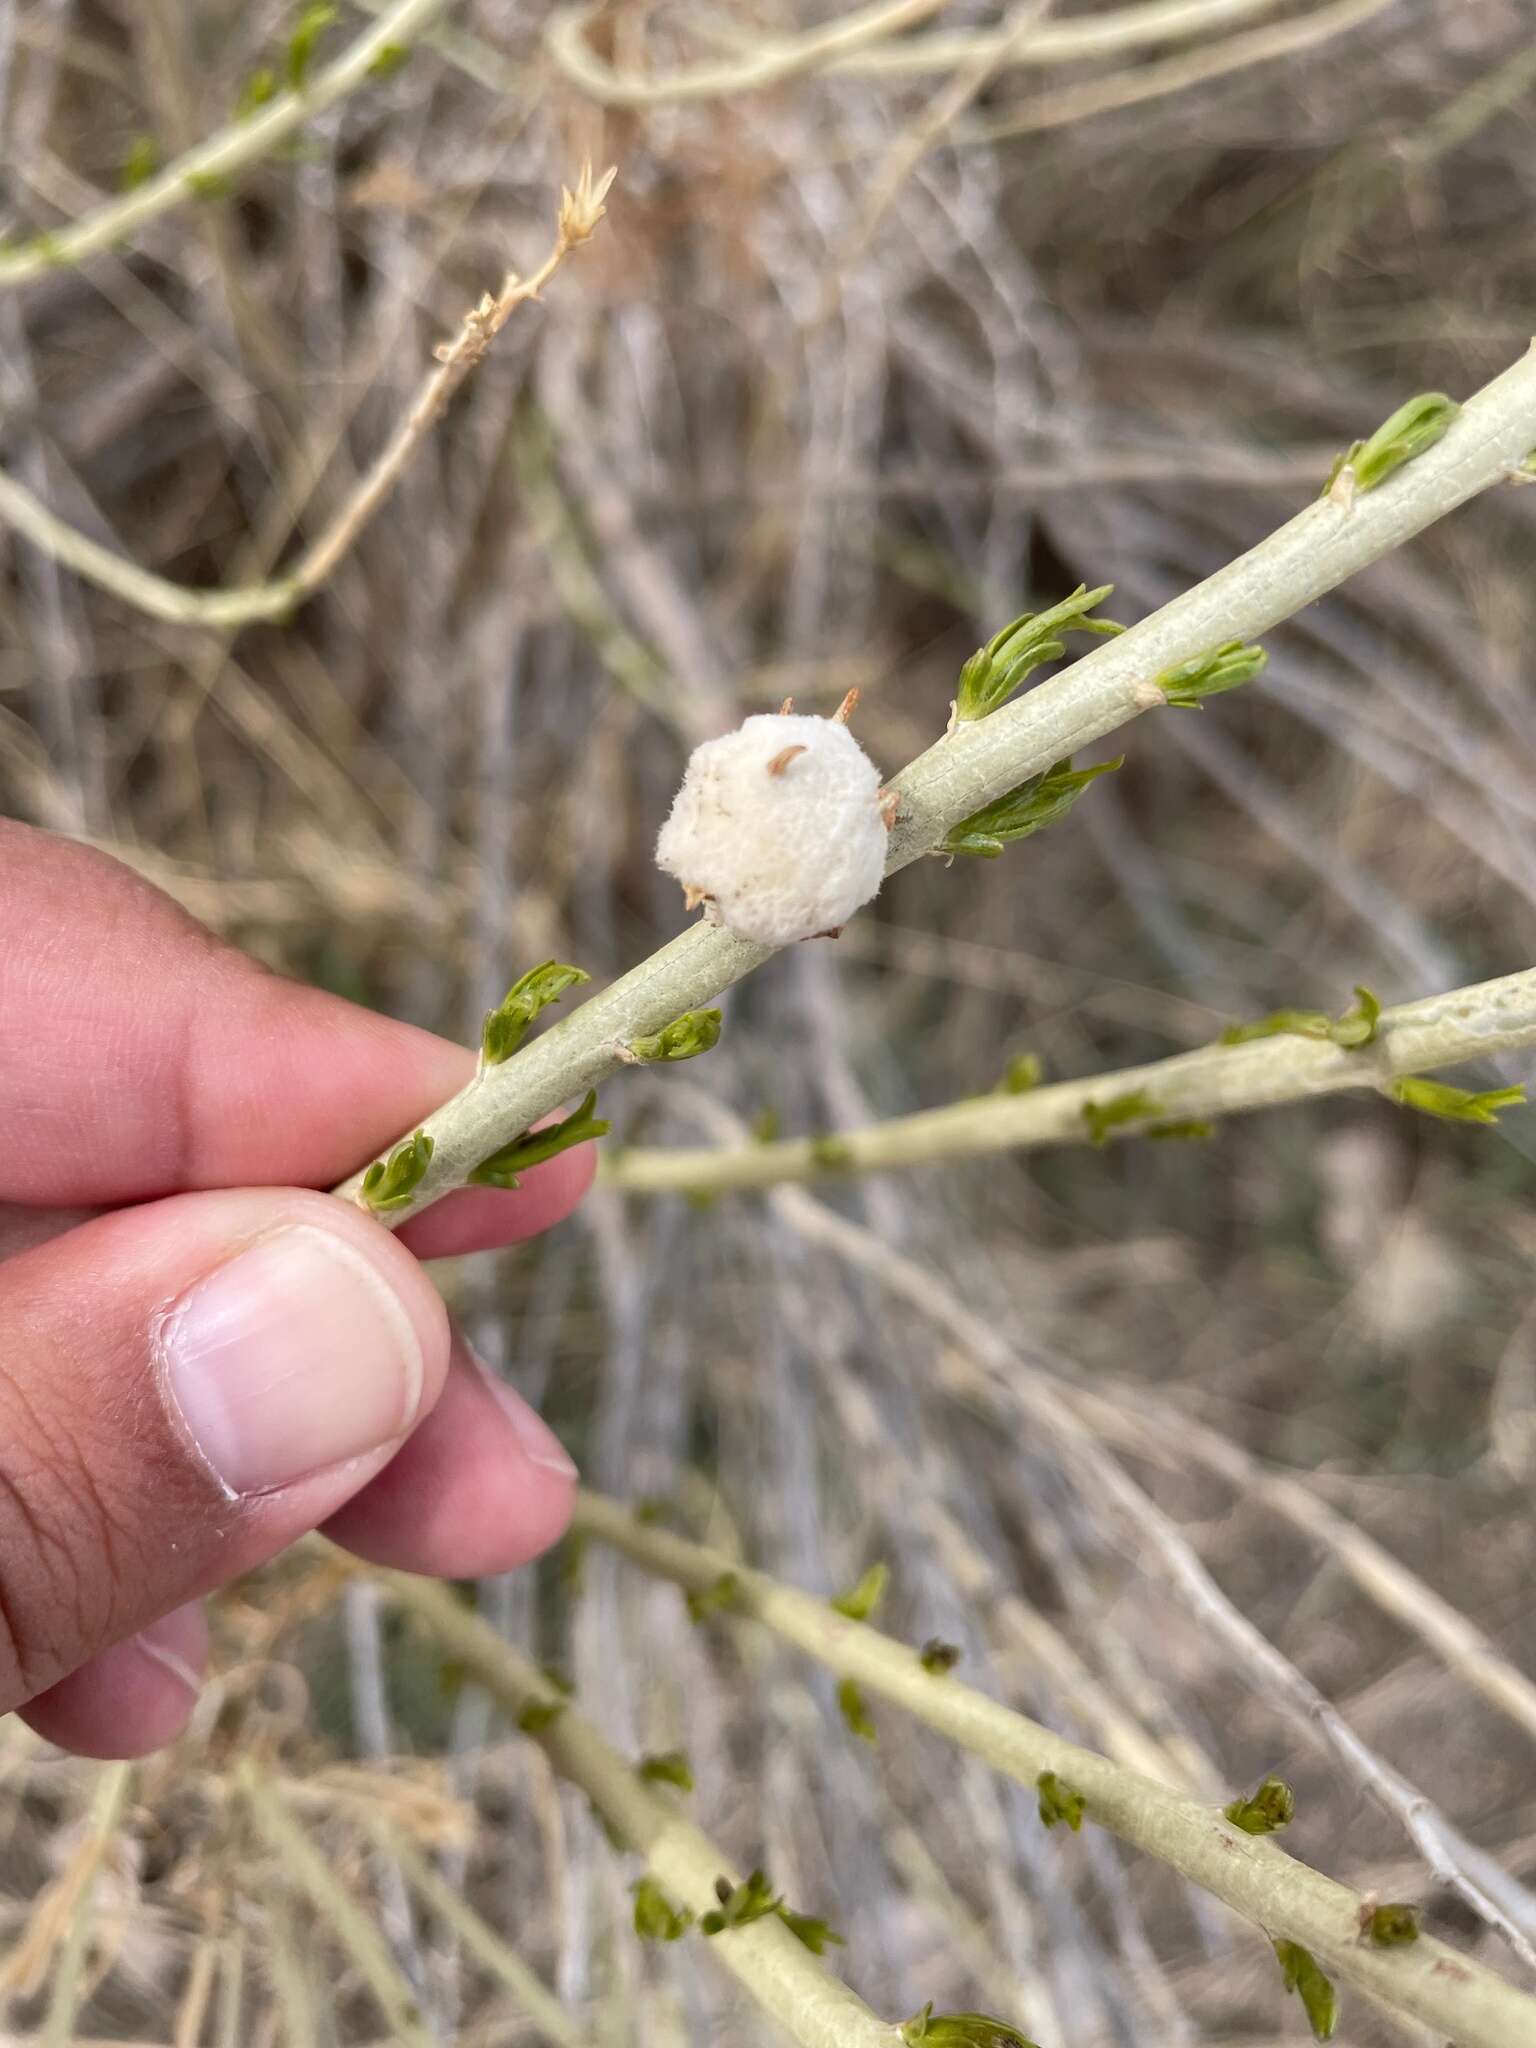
pixel 132 1699
pixel 482 1487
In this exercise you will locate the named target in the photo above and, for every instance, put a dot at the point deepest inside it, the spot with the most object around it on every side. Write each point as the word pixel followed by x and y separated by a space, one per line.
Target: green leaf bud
pixel 683 1039
pixel 507 1025
pixel 1039 802
pixel 667 1767
pixel 851 1705
pixel 656 1918
pixel 534 1147
pixel 860 1601
pixel 1393 1926
pixel 1271 1806
pixel 715 1598
pixel 1455 1105
pixel 389 1183
pixel 1304 1976
pixel 995 671
pixel 1104 1118
pixel 930 2029
pixel 1059 1801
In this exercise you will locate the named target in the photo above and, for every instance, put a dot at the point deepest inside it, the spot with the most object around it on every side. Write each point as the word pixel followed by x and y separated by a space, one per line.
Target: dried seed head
pixel 782 855
pixel 581 210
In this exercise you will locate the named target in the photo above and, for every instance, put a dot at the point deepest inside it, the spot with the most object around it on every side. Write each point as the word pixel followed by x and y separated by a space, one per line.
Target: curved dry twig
pixel 863 42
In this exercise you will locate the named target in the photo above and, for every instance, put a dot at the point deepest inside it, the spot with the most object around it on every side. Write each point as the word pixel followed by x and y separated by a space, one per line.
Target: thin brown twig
pixel 579 215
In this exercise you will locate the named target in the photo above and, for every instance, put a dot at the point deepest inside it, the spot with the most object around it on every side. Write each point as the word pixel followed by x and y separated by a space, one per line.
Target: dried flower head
pixel 779 826
pixel 581 210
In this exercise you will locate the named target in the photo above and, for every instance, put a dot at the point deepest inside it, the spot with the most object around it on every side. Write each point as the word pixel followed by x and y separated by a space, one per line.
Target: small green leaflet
pixel 683 1039
pixel 1103 1118
pixel 930 2029
pixel 851 1705
pixel 390 1182
pixel 1059 1801
pixel 656 1918
pixel 860 1601
pixel 1357 1027
pixel 1311 1986
pixel 1415 426
pixel 1271 1806
pixel 1455 1105
pixel 1211 675
pixel 507 1025
pixel 995 671
pixel 1039 802
pixel 533 1147
pixel 667 1767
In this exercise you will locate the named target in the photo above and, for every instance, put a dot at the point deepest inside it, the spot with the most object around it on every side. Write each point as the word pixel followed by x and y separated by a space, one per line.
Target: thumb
pixel 185 1388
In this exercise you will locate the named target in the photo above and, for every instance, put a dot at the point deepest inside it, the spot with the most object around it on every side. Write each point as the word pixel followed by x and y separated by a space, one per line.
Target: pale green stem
pixel 1427 1981
pixel 863 42
pixel 243 142
pixel 765 1958
pixel 980 761
pixel 768 64
pixel 1440 1031
pixel 1139 83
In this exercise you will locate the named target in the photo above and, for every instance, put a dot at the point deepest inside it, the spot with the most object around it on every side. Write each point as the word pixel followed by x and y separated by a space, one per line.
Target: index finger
pixel 142 1056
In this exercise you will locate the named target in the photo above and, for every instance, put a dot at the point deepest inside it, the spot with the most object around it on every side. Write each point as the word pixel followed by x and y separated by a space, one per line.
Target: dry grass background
pixel 756 441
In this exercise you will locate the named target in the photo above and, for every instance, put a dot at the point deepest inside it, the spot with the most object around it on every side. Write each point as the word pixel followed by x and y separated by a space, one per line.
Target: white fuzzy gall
pixel 780 826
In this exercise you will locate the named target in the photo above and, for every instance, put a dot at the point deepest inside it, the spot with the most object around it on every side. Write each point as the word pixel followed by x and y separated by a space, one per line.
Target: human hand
pixel 225 1358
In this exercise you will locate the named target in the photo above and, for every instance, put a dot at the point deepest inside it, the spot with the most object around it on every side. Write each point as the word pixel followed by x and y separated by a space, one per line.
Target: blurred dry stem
pixel 1251 1874
pixel 1002 1377
pixel 56 1948
pixel 247 140
pixel 481 1940
pixel 811 2006
pixel 1464 1648
pixel 313 1877
pixel 1238 55
pixel 868 41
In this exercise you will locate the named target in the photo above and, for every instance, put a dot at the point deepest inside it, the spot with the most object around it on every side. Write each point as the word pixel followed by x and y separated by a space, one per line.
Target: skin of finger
pixel 216 1072
pixel 476 1220
pixel 141 1056
pixel 108 1515
pixel 462 1499
pixel 483 1219
pixel 132 1699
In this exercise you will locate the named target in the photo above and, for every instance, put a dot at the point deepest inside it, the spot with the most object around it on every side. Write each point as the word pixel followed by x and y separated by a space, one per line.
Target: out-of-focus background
pixel 887 338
